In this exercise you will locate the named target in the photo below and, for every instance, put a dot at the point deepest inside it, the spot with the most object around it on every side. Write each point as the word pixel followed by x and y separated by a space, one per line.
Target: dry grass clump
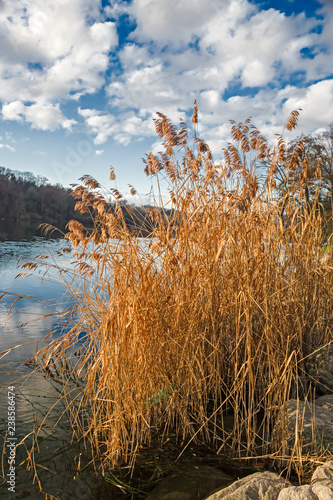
pixel 214 314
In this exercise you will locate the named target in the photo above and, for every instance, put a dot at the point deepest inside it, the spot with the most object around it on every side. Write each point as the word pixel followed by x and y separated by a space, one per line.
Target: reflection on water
pixel 35 395
pixel 13 230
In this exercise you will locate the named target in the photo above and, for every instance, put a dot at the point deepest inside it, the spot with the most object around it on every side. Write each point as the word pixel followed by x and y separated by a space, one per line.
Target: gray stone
pixel 323 492
pixel 321 487
pixel 307 492
pixel 326 401
pixel 190 483
pixel 258 486
pixel 315 421
pixel 321 369
pixel 297 493
pixel 269 486
pixel 323 474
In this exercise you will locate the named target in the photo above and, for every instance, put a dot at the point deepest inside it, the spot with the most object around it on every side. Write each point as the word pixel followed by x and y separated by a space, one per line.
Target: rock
pixel 315 420
pixel 323 474
pixel 269 486
pixel 190 483
pixel 321 369
pixel 321 487
pixel 297 493
pixel 323 492
pixel 258 486
pixel 326 401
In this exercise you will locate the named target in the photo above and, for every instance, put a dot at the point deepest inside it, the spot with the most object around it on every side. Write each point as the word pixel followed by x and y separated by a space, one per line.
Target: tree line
pixel 26 197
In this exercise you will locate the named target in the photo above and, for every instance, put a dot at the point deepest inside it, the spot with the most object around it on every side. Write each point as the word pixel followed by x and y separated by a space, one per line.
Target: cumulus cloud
pixel 233 38
pixel 51 51
pixel 210 52
pixel 122 128
pixel 101 126
pixel 269 110
pixel 40 116
pixel 190 19
pixel 59 51
pixel 316 103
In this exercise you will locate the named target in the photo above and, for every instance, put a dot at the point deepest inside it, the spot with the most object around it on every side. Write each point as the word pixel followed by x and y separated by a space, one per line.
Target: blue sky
pixel 81 80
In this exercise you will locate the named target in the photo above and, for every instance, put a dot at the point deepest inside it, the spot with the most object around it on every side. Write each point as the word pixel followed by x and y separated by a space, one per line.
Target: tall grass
pixel 216 313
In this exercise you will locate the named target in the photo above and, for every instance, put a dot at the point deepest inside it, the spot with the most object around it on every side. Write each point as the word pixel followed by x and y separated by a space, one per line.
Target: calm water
pixel 45 294
pixel 35 395
pixel 20 230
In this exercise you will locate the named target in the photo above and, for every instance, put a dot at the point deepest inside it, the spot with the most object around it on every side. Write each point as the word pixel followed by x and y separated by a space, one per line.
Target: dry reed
pixel 214 314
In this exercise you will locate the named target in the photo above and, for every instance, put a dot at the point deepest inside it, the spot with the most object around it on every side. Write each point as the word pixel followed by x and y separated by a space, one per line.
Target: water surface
pixel 14 230
pixel 23 323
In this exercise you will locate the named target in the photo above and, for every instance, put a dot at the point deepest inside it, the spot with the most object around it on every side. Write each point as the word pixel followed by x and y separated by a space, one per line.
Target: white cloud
pixel 316 103
pixel 7 141
pixel 144 88
pixel 40 116
pixel 234 39
pixel 52 51
pixel 82 69
pixel 255 74
pixel 7 146
pixel 188 18
pixel 327 12
pixel 58 51
pixel 102 126
pixel 116 9
pixel 99 152
pixel 156 147
pixel 122 128
pixel 269 110
pixel 210 50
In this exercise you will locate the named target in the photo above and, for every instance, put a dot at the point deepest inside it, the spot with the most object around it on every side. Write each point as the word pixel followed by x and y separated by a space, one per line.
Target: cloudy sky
pixel 82 79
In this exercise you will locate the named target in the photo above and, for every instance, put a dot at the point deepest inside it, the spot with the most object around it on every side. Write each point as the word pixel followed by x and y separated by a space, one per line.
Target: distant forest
pixel 26 197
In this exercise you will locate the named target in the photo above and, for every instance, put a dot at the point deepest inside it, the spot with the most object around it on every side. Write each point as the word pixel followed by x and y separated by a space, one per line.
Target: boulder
pixel 325 401
pixel 321 487
pixel 314 420
pixel 297 493
pixel 323 492
pixel 269 486
pixel 320 368
pixel 323 473
pixel 258 486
